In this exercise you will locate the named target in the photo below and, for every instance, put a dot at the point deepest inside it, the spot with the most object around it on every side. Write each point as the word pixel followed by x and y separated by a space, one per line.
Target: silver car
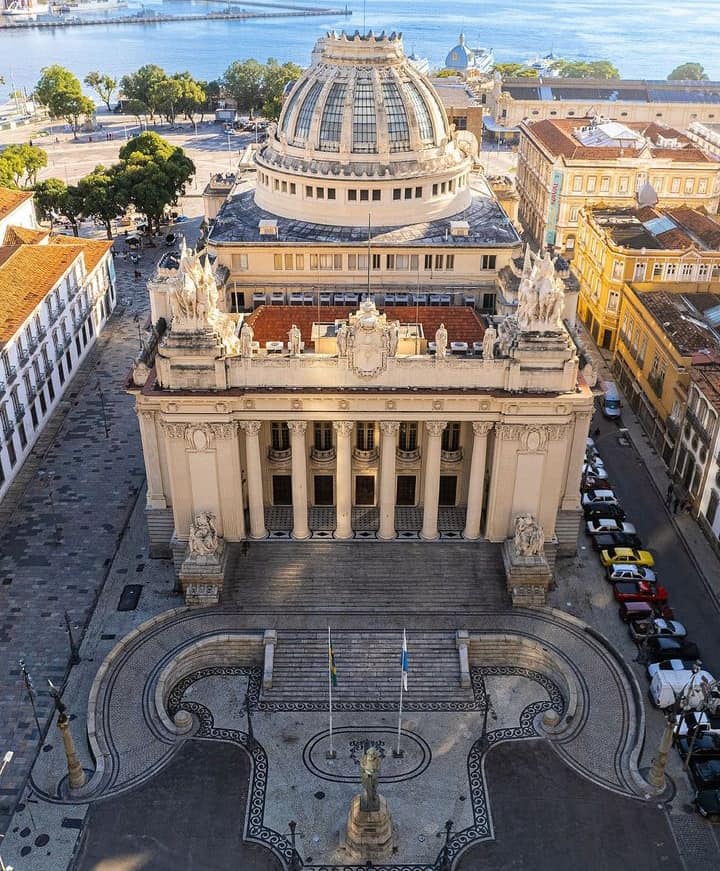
pixel 618 572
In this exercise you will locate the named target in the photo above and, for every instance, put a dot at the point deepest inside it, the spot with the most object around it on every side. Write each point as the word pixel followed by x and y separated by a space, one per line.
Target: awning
pixel 489 123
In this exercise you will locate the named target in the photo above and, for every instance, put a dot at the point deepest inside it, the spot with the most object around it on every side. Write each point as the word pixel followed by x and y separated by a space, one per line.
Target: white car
pixel 609 524
pixel 595 471
pixel 670 665
pixel 599 497
pixel 617 572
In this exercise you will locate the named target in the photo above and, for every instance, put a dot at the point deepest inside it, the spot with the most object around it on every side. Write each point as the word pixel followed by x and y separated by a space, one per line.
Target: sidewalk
pixel 698 548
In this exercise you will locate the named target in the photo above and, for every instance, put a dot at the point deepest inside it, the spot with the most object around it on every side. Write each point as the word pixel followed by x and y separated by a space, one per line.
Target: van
pixel 666 687
pixel 611 401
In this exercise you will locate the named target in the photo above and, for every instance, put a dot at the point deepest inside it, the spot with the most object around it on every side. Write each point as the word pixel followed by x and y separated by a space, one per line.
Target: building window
pixel 398 128
pixel 623 184
pixel 435 190
pixel 421 112
pixel 33 413
pixel 418 193
pixel 670 271
pixel 331 122
pixel 12 456
pixel 61 373
pixel 237 302
pixel 613 301
pixel 293 188
pixel 703 271
pixel 375 261
pixel 23 436
pixel 364 130
pixel 686 271
pixel 639 273
pixel 278 260
pixel 689 185
pixel 352 195
pixel 657 269
pixel 675 186
pixel 365 436
pixel 390 261
pixel 408 193
pixel 320 193
pixel 451 437
pixel 397 193
pixel 280 436
pixel 577 184
pixel 288 261
pixel 712 507
pixel 702 186
pixel 407 437
pixel 240 262
pixel 617 272
pixel 450 261
pixel 308 190
pixel 574 212
pixel 428 261
pixel 322 436
pixel 376 195
pixel 438 261
pixel 591 182
pixel 299 261
pixel 605 183
pixel 489 261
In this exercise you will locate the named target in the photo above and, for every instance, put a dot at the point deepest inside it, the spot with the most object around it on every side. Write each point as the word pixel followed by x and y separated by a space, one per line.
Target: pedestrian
pixel 669 494
pixel 676 504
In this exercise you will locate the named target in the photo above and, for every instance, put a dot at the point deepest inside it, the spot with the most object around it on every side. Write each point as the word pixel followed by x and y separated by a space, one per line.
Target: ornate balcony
pixel 33 344
pixel 452 456
pixel 320 456
pixel 11 374
pixel 2 388
pixel 31 392
pixel 49 366
pixel 42 332
pixel 23 356
pixel 19 413
pixel 363 456
pixel 8 428
pixel 53 316
pixel 279 455
pixel 412 456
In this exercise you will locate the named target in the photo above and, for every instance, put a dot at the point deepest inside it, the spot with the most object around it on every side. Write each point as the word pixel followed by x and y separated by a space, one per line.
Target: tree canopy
pixel 103 85
pixel 509 71
pixel 142 86
pixel 576 69
pixel 254 86
pixel 103 195
pixel 689 72
pixel 53 197
pixel 19 165
pixel 61 93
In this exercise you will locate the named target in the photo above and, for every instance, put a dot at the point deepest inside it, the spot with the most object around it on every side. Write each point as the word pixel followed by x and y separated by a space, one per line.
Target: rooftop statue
pixel 441 341
pixel 541 295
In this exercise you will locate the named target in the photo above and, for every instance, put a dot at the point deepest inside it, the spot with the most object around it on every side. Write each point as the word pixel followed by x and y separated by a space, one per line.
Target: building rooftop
pixel 93 249
pixel 239 218
pixel 680 318
pixel 17 235
pixel 612 91
pixel 272 323
pixel 596 139
pixel 455 93
pixel 655 228
pixel 10 200
pixel 705 373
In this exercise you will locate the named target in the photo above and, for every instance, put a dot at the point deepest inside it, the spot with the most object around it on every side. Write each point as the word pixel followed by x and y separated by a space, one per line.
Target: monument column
pixel 343 479
pixel 389 430
pixel 431 490
pixel 476 485
pixel 151 454
pixel 301 530
pixel 254 478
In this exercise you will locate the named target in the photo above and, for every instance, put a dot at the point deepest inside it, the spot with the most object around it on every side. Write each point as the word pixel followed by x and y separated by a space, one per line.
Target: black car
pixel 707 802
pixel 595 512
pixel 706 744
pixel 607 540
pixel 659 649
pixel 705 772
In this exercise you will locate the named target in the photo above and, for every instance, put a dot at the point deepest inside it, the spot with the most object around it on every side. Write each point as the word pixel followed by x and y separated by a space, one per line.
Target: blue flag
pixel 404 662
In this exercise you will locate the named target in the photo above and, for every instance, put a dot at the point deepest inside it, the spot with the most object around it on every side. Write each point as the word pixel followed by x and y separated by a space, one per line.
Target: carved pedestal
pixel 369 833
pixel 202 577
pixel 528 577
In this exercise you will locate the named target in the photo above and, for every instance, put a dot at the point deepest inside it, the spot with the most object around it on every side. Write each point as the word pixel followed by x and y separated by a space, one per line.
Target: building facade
pixel 671 248
pixel 565 165
pixel 56 294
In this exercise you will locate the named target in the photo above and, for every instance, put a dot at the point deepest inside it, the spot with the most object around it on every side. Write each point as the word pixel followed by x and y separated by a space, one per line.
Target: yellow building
pixel 671 248
pixel 660 334
pixel 564 165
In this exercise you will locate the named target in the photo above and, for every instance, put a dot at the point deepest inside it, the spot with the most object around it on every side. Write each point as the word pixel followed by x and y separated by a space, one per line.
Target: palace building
pixel 353 397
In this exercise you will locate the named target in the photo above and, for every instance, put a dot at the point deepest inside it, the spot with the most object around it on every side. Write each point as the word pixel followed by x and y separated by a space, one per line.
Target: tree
pixel 103 195
pixel 193 96
pixel 153 174
pixel 61 93
pixel 136 108
pixel 275 78
pixel 509 71
pixel 22 163
pixel 165 96
pixel 53 197
pixel 243 81
pixel 597 69
pixel 103 85
pixel 141 84
pixel 689 72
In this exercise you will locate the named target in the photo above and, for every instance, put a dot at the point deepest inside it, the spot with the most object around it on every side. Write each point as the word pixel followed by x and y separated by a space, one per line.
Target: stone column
pixel 151 454
pixel 431 488
pixel 256 503
pixel 389 430
pixel 301 530
pixel 343 479
pixel 476 485
pixel 571 494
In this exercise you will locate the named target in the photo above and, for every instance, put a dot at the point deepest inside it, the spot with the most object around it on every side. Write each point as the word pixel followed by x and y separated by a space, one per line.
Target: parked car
pixel 595 468
pixel 670 648
pixel 625 572
pixel 605 540
pixel 670 665
pixel 635 611
pixel 706 744
pixel 668 687
pixel 707 802
pixel 609 524
pixel 705 772
pixel 641 591
pixel 628 556
pixel 592 482
pixel 599 497
pixel 611 401
pixel 643 629
pixel 605 509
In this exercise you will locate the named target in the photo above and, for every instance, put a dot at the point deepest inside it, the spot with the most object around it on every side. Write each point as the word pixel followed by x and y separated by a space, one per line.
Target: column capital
pixel 251 427
pixel 343 427
pixel 482 427
pixel 435 427
pixel 389 427
pixel 297 427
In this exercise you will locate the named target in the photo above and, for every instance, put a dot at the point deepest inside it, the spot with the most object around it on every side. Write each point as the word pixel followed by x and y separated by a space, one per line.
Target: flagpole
pixel 331 752
pixel 398 753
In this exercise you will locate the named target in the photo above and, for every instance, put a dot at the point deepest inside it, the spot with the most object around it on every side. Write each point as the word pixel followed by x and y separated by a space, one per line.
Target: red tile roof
pixel 10 200
pixel 272 323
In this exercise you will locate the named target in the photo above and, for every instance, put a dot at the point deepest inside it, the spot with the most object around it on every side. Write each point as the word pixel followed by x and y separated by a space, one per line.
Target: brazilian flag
pixel 331 665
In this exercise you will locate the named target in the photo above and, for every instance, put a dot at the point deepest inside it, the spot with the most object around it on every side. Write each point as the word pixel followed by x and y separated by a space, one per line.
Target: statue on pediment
pixel 368 340
pixel 441 341
pixel 247 334
pixel 541 295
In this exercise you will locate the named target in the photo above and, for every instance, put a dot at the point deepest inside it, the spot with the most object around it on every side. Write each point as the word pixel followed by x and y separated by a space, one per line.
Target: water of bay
pixel 645 38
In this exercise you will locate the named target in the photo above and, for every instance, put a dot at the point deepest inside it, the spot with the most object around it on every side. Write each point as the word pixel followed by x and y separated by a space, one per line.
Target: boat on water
pixel 69 6
pixel 24 9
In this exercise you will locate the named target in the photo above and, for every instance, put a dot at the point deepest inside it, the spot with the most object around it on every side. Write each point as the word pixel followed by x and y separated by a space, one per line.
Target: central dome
pixel 362 111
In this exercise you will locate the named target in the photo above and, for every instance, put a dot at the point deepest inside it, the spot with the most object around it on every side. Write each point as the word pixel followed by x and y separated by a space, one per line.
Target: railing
pixel 8 428
pixel 33 344
pixel 322 456
pixel 31 393
pixel 2 388
pixel 42 332
pixel 673 427
pixel 365 456
pixel 59 351
pixel 19 413
pixel 279 455
pixel 408 456
pixel 11 374
pixel 656 384
pixel 49 366
pixel 23 356
pixel 53 316
pixel 702 433
pixel 72 292
pixel 452 456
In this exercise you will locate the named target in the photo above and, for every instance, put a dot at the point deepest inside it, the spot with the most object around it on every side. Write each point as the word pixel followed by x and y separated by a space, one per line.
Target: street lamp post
pixel 74 649
pixel 32 695
pixel 102 406
pixel 76 775
pixel 445 856
pixel 6 760
pixel 484 743
pixel 50 478
pixel 296 862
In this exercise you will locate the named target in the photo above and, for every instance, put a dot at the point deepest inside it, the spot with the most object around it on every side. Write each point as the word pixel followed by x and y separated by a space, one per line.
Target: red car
pixel 640 591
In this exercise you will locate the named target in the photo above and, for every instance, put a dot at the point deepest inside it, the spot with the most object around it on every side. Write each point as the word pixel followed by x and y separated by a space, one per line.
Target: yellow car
pixel 627 556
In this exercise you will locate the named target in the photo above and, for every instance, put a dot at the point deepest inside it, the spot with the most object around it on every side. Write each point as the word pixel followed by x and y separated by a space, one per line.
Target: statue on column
pixel 341 338
pixel 294 340
pixel 247 334
pixel 393 331
pixel 488 345
pixel 369 776
pixel 441 341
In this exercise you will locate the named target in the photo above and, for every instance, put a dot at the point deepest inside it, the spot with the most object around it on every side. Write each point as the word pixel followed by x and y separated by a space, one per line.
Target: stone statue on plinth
pixel 203 535
pixel 247 334
pixel 529 536
pixel 203 570
pixel 369 824
pixel 488 345
pixel 294 340
pixel 441 341
pixel 341 337
pixel 527 570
